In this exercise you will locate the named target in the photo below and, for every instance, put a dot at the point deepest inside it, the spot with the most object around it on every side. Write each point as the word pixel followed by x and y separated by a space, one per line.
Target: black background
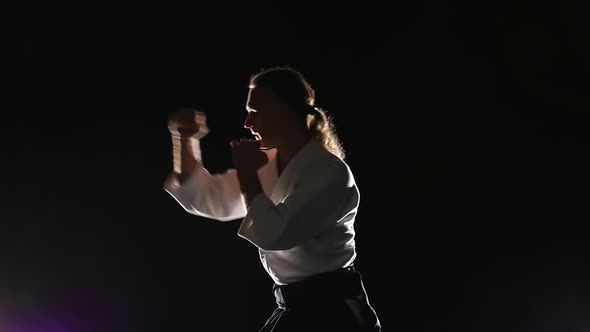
pixel 465 125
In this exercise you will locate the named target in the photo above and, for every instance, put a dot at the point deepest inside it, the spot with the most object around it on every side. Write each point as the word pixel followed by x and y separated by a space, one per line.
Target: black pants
pixel 333 301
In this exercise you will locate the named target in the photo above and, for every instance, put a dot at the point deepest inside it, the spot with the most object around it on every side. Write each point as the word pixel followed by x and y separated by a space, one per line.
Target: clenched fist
pixel 188 122
pixel 247 156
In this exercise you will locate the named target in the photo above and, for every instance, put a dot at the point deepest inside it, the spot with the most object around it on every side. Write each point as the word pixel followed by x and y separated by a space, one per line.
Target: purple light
pixel 43 326
pixel 75 316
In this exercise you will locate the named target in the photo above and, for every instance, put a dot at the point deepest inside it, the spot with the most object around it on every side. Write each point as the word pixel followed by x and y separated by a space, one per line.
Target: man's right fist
pixel 188 122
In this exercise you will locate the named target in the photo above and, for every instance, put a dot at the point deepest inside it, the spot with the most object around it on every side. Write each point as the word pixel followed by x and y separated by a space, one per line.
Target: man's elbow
pixel 171 182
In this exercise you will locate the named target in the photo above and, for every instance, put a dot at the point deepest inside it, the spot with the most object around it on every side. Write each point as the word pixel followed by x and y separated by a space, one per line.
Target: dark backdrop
pixel 465 125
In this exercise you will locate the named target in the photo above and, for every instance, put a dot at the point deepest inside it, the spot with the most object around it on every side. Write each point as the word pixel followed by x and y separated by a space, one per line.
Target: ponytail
pixel 321 125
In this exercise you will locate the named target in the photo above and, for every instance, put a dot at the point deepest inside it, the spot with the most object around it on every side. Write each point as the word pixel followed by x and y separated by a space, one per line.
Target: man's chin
pixel 264 145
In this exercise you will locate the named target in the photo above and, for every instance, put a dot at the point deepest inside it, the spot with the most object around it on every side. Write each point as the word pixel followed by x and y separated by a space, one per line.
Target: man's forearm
pixel 186 153
pixel 250 185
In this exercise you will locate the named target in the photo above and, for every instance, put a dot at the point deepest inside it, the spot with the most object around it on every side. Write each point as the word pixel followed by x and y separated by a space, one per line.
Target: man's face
pixel 266 115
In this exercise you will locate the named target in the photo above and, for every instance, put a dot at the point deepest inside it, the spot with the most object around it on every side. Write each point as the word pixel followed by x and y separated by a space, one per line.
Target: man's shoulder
pixel 326 166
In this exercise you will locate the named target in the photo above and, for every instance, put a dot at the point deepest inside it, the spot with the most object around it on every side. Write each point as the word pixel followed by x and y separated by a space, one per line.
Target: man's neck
pixel 287 150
